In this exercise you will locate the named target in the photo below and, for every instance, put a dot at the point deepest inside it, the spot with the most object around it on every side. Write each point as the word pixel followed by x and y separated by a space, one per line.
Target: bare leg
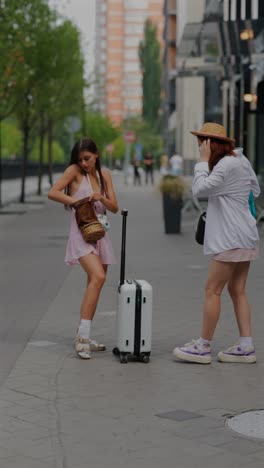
pixel 219 274
pixel 96 273
pixel 236 288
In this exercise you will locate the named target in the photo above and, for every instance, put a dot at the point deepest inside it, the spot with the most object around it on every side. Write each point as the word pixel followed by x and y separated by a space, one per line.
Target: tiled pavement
pixel 59 411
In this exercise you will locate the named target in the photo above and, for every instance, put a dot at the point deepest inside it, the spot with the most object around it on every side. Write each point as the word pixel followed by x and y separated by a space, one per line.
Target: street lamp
pixel 247 34
pixel 250 97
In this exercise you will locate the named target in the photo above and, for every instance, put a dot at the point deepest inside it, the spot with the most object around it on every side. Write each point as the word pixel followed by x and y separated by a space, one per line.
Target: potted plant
pixel 172 188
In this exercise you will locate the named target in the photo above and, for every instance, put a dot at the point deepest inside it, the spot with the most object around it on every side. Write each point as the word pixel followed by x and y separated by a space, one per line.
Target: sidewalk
pixel 59 411
pixel 11 188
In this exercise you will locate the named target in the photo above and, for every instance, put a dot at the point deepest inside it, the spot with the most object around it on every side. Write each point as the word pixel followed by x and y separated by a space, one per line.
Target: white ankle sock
pixel 204 342
pixel 84 329
pixel 245 342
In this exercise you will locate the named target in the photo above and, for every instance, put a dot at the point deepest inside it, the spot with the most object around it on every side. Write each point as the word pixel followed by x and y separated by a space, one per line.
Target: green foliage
pixel 41 63
pixel 57 151
pixel 100 129
pixel 11 140
pixel 150 62
pixel 119 148
pixel 150 139
pixel 173 186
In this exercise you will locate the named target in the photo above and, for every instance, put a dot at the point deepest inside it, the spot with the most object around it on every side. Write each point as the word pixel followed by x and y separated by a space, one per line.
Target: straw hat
pixel 213 130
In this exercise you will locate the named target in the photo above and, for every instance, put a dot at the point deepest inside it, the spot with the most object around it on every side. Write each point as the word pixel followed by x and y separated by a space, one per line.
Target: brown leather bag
pixel 92 230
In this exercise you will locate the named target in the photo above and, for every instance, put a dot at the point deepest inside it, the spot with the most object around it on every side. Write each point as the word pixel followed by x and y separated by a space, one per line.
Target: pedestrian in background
pixel 136 165
pixel 176 163
pixel 85 178
pixel 149 167
pixel 226 177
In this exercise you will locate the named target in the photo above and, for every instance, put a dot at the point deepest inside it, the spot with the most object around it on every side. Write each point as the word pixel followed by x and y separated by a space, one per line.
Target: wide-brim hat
pixel 213 130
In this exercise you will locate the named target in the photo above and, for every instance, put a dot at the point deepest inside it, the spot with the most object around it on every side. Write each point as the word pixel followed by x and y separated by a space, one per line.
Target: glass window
pixel 136 16
pixel 131 54
pixel 133 104
pixel 132 78
pixel 131 42
pixel 136 4
pixel 131 66
pixel 134 28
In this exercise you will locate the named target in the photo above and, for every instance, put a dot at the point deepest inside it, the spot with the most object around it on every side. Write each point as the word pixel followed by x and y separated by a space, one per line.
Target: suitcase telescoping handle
pixel 123 247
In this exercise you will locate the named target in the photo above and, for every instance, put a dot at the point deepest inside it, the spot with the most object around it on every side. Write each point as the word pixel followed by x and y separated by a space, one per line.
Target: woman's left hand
pixel 205 150
pixel 96 196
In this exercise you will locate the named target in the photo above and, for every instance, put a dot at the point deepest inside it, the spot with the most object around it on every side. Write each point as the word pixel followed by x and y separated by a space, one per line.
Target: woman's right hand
pixel 205 150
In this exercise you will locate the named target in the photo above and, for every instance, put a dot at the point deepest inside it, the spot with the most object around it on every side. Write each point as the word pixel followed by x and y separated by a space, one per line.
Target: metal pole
pixel 127 156
pixel 232 108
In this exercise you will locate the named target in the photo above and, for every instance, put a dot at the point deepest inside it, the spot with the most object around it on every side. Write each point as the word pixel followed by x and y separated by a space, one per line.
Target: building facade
pixel 119 30
pixel 169 76
pixel 220 74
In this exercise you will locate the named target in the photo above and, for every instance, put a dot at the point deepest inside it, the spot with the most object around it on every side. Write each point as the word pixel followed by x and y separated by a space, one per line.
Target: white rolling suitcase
pixel 134 313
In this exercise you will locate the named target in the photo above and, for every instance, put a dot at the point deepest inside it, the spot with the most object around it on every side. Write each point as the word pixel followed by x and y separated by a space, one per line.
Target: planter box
pixel 172 214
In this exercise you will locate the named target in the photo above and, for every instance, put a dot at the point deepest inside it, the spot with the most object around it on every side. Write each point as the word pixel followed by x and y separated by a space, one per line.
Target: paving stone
pixel 57 410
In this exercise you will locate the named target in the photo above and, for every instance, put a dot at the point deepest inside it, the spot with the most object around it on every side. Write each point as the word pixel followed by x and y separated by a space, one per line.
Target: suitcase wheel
pixel 123 358
pixel 144 358
pixel 116 351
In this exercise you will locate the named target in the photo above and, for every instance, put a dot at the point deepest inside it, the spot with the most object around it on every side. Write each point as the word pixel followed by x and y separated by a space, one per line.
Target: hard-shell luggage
pixel 134 313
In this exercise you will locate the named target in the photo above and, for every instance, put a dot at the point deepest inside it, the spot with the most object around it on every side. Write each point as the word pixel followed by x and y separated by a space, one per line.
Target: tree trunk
pixel 1 172
pixel 41 152
pixel 25 159
pixel 50 158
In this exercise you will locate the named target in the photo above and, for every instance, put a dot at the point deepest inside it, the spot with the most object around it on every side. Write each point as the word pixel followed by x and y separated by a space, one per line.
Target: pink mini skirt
pixel 237 255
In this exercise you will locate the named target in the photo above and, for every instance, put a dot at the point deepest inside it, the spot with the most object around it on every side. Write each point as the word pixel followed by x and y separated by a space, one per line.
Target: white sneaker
pixel 82 347
pixel 237 354
pixel 194 352
pixel 95 346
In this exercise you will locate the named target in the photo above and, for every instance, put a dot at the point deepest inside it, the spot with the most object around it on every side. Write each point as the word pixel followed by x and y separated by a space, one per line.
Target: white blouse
pixel 229 223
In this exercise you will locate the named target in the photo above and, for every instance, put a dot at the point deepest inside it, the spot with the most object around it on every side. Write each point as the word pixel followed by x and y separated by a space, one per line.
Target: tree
pixel 12 63
pixel 57 151
pixel 41 74
pixel 11 140
pixel 100 129
pixel 150 140
pixel 150 63
pixel 33 20
pixel 66 84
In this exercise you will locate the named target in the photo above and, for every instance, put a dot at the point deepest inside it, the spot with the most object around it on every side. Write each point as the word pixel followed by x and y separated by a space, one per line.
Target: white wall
pixel 189 90
pixel 190 114
pixel 188 11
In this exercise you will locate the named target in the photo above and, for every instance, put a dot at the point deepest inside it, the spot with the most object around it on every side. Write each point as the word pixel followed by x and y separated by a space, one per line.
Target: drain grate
pixel 250 423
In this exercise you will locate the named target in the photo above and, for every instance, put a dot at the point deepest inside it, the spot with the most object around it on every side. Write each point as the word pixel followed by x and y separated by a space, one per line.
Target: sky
pixel 82 13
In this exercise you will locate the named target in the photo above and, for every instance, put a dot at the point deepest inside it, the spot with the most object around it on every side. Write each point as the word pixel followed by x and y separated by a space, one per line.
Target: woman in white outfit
pixel 226 177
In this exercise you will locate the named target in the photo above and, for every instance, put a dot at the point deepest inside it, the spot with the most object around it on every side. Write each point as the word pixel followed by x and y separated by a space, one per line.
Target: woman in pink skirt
pixel 226 178
pixel 85 178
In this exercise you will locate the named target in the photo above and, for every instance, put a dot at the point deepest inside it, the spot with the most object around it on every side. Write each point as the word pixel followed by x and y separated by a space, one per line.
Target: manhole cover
pixel 249 424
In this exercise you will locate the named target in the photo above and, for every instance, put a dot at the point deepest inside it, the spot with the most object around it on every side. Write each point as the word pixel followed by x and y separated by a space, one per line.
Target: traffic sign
pixel 73 124
pixel 110 148
pixel 129 137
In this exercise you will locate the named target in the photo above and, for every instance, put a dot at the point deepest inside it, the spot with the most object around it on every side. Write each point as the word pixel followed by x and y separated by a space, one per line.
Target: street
pixel 59 411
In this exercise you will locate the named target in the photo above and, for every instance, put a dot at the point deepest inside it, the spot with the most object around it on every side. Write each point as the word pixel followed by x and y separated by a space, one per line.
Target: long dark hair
pixel 219 149
pixel 86 144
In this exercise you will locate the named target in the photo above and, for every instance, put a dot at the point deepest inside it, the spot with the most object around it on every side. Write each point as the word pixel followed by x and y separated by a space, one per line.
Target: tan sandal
pixel 95 346
pixel 82 347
